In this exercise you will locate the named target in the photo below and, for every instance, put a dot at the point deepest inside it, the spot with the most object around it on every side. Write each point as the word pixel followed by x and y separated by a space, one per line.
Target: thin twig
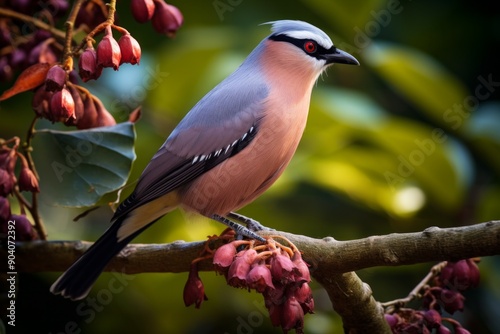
pixel 69 25
pixel 390 306
pixel 109 22
pixel 33 209
pixel 36 22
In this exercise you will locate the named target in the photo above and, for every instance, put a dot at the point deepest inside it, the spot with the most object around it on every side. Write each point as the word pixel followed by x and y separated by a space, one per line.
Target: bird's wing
pixel 218 127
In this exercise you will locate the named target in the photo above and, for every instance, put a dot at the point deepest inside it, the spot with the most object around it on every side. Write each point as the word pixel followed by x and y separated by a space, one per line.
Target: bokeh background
pixel 409 139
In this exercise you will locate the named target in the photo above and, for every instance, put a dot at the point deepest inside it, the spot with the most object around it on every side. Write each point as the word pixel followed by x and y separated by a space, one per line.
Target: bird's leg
pixel 239 229
pixel 251 224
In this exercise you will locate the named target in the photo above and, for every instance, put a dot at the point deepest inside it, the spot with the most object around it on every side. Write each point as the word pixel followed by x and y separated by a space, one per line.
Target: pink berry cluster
pixel 445 295
pixel 276 271
pixel 24 181
pixel 166 19
pixel 61 99
pixel 27 48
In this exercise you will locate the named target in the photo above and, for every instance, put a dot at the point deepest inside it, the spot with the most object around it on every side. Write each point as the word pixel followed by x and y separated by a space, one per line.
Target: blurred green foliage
pixel 408 140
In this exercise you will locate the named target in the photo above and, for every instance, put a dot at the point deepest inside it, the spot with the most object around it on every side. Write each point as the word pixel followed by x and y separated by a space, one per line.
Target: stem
pixel 23 203
pixel 69 25
pixel 36 22
pixel 27 146
pixel 39 226
pixel 121 30
pixel 391 305
pixel 109 22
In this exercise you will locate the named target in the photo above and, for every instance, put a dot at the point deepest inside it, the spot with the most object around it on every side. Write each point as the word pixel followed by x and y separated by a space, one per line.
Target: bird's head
pixel 300 44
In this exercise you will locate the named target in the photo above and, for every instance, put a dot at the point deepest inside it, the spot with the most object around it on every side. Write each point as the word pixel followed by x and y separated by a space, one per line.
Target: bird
pixel 226 151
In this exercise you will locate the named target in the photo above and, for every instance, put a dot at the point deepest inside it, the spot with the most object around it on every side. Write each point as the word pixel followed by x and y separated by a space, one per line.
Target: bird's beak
pixel 340 57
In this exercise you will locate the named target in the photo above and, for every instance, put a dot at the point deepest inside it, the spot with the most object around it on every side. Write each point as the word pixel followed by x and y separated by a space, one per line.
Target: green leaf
pixel 348 17
pixel 78 167
pixel 384 161
pixel 421 79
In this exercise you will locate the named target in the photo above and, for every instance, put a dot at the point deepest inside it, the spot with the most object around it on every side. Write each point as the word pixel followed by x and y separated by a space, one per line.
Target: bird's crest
pixel 300 30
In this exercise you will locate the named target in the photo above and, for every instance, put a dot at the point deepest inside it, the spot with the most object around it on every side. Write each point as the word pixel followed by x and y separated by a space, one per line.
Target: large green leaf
pixel 78 167
pixel 421 79
pixel 381 159
pixel 350 17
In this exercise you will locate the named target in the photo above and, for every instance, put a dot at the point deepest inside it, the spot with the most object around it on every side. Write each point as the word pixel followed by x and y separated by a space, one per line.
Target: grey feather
pixel 300 30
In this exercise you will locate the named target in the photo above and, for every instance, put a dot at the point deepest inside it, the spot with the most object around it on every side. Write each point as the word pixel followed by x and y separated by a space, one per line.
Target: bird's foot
pixel 251 224
pixel 249 231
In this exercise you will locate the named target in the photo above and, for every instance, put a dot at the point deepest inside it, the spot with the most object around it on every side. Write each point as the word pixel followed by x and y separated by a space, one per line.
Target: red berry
pixel 104 118
pixel 6 182
pixel 391 319
pixel 89 118
pixel 474 274
pixel 56 78
pixel 224 256
pixel 87 65
pixel 259 278
pixel 460 275
pixel 108 51
pixel 301 268
pixel 142 10
pixel 194 291
pixel 167 19
pixel 282 267
pixel 41 102
pixel 452 300
pixel 443 330
pixel 28 181
pixel 305 297
pixel 292 316
pixel 238 271
pixel 4 209
pixel 461 330
pixel 79 107
pixel 130 50
pixel 432 318
pixel 62 106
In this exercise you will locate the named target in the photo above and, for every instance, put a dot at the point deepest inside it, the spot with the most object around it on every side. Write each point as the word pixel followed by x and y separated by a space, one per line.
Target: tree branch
pixel 430 245
pixel 332 262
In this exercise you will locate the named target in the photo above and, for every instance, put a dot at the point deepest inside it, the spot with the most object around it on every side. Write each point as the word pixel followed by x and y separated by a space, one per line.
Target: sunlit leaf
pixel 383 160
pixel 347 17
pixel 350 107
pixel 78 167
pixel 420 78
pixel 428 156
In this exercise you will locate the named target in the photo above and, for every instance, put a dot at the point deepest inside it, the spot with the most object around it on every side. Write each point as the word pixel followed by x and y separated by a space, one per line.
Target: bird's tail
pixel 76 282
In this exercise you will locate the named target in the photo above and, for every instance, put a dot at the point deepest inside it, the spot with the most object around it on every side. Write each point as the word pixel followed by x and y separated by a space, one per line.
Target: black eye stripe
pixel 320 50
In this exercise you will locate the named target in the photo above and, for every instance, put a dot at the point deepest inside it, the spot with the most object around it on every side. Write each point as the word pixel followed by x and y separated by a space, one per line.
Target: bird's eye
pixel 310 46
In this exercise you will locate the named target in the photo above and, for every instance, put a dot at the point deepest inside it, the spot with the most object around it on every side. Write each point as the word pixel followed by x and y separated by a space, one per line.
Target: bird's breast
pixel 241 178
